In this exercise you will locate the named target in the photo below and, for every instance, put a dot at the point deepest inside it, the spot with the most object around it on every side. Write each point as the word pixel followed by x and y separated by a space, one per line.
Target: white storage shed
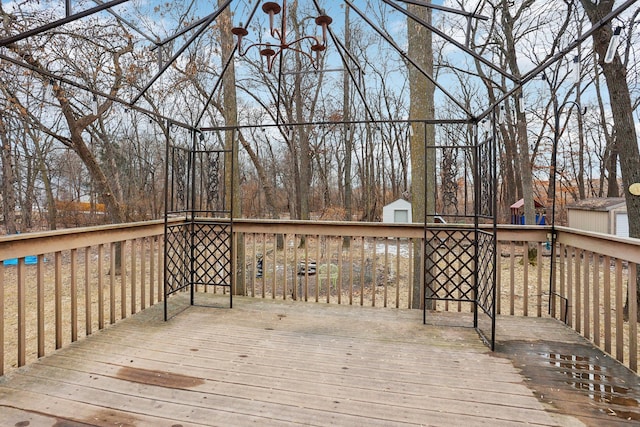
pixel 603 215
pixel 397 212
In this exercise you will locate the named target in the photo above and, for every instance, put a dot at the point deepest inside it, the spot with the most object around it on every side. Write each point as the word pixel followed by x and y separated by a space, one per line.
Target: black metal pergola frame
pixel 478 286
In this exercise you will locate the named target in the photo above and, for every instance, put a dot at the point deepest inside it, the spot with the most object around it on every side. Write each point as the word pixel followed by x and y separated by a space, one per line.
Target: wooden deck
pixel 273 363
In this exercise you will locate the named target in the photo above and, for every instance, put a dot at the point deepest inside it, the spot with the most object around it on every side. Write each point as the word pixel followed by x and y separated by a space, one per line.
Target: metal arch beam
pixel 70 18
pixel 181 32
pixel 447 9
pixel 555 58
pixel 558 56
pixel 341 50
pixel 184 47
pixel 457 44
pixel 66 81
pixel 356 82
pixel 224 70
pixel 127 22
pixel 408 58
pixel 332 123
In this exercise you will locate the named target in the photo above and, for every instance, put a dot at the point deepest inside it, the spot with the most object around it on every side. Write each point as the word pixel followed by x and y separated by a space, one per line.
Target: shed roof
pixel 398 203
pixel 598 204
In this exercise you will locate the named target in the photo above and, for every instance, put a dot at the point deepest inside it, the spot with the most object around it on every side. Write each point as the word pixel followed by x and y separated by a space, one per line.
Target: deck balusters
pixel 68 294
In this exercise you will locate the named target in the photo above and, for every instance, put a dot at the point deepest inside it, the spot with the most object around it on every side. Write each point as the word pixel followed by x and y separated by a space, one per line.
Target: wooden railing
pixel 594 274
pixel 332 262
pixel 70 291
pixel 70 283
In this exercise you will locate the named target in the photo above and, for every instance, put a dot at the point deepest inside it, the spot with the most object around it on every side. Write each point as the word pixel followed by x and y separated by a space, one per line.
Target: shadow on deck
pixel 268 362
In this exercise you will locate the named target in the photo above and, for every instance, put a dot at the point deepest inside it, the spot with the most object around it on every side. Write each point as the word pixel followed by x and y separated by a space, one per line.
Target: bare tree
pixel 8 177
pixel 626 140
pixel 421 108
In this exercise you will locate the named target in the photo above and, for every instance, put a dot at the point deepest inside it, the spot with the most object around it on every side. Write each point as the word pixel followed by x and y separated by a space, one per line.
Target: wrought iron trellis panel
pixel 459 258
pixel 199 249
pixel 211 252
pixel 450 272
pixel 486 237
pixel 176 259
pixel 486 171
pixel 486 266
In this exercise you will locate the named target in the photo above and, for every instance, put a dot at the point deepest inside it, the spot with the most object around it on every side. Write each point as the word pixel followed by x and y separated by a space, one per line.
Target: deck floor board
pixel 268 362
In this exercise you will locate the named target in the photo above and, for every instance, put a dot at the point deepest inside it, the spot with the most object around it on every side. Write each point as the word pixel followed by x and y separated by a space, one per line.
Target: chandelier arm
pixel 271 50
pixel 272 58
pixel 275 33
pixel 312 38
pixel 261 44
pixel 281 46
pixel 307 54
pixel 314 62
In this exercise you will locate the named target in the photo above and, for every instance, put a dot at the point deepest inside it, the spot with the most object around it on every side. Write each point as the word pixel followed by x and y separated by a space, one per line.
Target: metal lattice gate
pixel 460 254
pixel 198 221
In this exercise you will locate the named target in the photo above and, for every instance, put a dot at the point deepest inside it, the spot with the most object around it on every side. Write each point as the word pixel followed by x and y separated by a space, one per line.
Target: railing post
pixel 552 272
pixel 2 317
pixel 143 274
pixel 87 292
pixel 123 279
pixel 22 342
pixel 134 275
pixel 58 299
pixel 100 286
pixel 619 327
pixel 539 283
pixel 74 295
pixel 633 317
pixel 40 298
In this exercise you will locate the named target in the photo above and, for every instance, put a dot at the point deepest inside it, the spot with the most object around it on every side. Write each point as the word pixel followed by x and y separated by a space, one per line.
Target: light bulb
pixel 500 115
pixel 521 103
pixel 576 68
pixel 613 45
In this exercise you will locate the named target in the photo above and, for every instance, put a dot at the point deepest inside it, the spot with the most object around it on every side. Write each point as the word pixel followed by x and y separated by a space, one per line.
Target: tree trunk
pixel 610 158
pixel 422 160
pixel 267 185
pixel 230 111
pixel 77 125
pixel 8 189
pixel 27 195
pixel 582 194
pixel 615 74
pixel 305 153
pixel 524 158
pixel 348 133
pixel 52 212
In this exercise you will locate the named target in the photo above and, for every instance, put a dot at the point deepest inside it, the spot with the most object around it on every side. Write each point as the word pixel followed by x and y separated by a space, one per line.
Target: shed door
pixel 622 225
pixel 400 215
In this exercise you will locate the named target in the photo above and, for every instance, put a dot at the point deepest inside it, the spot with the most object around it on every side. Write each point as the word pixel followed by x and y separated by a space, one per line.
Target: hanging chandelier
pixel 270 51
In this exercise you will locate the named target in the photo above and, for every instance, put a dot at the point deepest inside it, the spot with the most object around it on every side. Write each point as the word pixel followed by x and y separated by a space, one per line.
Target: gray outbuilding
pixel 603 215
